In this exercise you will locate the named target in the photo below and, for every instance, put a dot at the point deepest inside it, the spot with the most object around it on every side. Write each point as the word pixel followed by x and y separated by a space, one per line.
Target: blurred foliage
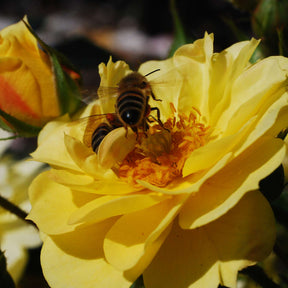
pixel 179 38
pixel 5 278
pixel 270 23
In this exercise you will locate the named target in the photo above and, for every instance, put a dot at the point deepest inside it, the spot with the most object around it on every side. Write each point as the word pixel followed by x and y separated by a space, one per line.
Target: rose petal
pixel 115 147
pixel 108 206
pixel 110 76
pixel 80 256
pixel 207 155
pixel 213 254
pixel 50 137
pixel 189 184
pixel 83 156
pixel 250 83
pixel 134 235
pixel 271 123
pixel 48 199
pixel 69 178
pixel 194 60
pixel 231 183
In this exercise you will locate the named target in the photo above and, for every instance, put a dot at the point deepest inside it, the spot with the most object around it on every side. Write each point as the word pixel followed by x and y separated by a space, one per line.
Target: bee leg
pixel 158 117
pixel 126 128
pixel 135 130
pixel 154 97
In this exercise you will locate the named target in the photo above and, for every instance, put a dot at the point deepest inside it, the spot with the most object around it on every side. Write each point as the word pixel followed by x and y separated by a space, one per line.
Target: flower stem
pixel 14 209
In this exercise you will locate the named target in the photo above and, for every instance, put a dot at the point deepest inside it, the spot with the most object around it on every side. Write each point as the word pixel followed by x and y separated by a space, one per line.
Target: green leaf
pixel 5 278
pixel 179 32
pixel 19 127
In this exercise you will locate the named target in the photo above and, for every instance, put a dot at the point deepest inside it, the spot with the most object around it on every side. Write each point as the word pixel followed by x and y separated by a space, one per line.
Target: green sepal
pixel 5 278
pixel 67 89
pixel 17 126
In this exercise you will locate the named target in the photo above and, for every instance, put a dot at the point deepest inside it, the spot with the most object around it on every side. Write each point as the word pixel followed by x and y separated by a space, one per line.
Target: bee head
pixel 133 80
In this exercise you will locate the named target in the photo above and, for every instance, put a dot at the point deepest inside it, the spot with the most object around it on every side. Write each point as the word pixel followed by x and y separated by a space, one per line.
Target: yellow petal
pixel 225 69
pixel 76 260
pixel 110 75
pixel 51 147
pixel 207 155
pixel 273 120
pixel 115 147
pixel 189 184
pixel 48 199
pixel 69 178
pixel 259 94
pixel 15 95
pixel 201 50
pixel 136 235
pixel 194 59
pixel 83 157
pixel 109 185
pixel 225 188
pixel 108 206
pixel 213 254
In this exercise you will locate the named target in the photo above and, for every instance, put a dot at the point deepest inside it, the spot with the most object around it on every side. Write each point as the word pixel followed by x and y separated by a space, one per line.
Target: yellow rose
pixel 29 96
pixel 191 216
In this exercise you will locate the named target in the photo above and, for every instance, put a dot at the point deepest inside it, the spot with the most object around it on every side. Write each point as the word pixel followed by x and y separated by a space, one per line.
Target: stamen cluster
pixel 160 157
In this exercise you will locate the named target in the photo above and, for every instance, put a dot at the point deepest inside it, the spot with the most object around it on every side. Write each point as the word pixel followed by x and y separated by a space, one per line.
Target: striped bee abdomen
pixel 98 135
pixel 131 106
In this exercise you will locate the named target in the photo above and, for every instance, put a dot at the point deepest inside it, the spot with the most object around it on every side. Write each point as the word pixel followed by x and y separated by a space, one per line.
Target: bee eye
pixel 143 85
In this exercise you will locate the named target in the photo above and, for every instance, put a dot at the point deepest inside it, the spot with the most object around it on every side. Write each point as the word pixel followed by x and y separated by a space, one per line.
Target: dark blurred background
pixel 89 31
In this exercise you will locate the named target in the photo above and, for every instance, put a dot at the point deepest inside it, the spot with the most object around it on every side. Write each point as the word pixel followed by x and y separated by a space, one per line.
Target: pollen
pixel 160 156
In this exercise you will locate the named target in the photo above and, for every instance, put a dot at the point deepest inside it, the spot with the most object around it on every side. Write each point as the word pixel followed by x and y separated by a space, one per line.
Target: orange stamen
pixel 157 166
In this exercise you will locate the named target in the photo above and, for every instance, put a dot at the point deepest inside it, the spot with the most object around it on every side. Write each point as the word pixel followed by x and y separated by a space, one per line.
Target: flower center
pixel 161 154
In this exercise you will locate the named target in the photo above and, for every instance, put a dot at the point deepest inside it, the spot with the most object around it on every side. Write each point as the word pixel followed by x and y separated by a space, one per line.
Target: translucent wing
pixel 107 92
pixel 89 124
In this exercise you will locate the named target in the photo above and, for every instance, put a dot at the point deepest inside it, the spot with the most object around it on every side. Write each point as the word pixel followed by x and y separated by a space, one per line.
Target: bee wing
pixel 103 93
pixel 108 96
pixel 87 125
pixel 107 92
pixel 88 96
pixel 170 77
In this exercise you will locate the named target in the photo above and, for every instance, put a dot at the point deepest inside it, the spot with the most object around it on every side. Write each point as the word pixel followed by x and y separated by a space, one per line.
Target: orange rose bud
pixel 30 95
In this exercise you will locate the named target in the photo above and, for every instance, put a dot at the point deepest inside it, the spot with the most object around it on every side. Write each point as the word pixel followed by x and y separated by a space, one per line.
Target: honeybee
pixel 131 110
pixel 102 130
pixel 132 106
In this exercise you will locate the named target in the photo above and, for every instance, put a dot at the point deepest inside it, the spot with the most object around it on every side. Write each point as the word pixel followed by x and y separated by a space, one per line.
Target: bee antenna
pixel 152 72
